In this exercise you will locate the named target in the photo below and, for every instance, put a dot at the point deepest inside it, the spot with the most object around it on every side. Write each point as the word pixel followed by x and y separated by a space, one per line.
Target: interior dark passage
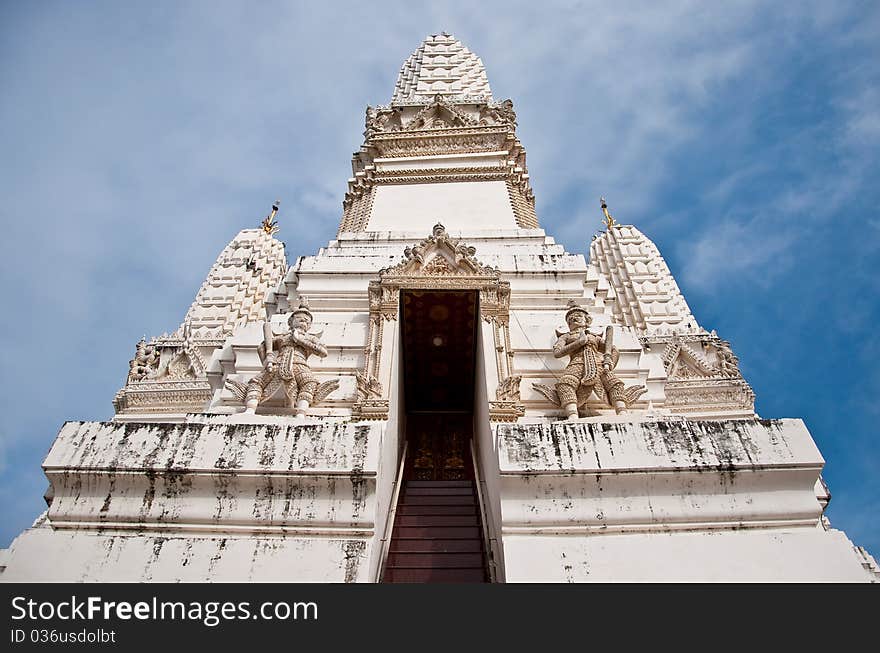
pixel 437 534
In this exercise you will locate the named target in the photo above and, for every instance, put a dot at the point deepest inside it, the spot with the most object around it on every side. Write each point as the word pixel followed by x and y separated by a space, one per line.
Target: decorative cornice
pixel 442 141
pixel 505 411
pixel 383 175
pixel 173 341
pixel 168 396
pixel 371 409
pixel 422 101
pixel 699 395
pixel 441 178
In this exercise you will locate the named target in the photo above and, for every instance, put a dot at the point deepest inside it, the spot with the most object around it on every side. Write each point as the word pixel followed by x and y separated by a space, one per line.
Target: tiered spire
pixel 235 289
pixel 441 65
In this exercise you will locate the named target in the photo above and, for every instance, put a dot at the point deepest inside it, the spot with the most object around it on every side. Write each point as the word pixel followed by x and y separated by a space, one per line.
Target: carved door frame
pixel 437 263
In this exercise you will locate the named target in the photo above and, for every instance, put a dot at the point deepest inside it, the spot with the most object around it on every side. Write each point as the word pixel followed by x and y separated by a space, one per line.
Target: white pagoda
pixel 442 393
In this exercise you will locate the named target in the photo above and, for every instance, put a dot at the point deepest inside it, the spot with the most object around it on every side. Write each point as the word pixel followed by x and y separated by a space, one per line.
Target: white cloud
pixel 756 251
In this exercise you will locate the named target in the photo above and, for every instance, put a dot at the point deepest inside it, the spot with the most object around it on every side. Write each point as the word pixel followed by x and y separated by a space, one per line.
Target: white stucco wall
pixel 458 205
pixel 778 555
pixel 211 501
pixel 666 502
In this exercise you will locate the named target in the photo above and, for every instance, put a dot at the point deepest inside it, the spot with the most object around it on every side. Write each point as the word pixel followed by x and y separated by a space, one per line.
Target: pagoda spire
pixel 442 65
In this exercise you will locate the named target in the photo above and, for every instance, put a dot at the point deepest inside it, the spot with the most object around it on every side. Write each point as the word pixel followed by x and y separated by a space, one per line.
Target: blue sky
pixel 138 138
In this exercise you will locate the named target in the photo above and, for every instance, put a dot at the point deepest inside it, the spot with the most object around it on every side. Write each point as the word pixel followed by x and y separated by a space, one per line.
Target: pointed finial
pixel 269 225
pixel 609 220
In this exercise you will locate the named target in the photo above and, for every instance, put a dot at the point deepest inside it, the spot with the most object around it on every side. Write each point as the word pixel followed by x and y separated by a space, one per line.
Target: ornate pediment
pixel 167 375
pixel 682 361
pixel 440 262
pixel 185 365
pixel 687 366
pixel 702 375
pixel 439 256
pixel 440 114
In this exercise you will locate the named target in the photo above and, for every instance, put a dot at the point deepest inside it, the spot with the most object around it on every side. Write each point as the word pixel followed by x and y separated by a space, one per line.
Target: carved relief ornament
pixel 439 262
pixel 167 375
pixel 285 367
pixel 438 113
pixel 590 370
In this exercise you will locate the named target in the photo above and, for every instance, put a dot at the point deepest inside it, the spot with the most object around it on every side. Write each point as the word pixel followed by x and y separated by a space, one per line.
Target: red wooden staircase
pixel 437 535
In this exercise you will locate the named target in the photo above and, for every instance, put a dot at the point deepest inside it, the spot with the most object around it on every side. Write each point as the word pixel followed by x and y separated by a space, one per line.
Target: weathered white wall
pixel 389 459
pixel 214 501
pixel 42 555
pixel 666 501
pixel 779 555
pixel 484 443
pixel 458 205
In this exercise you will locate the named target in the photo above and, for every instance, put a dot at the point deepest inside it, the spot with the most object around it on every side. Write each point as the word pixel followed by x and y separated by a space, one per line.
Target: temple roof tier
pixel 442 65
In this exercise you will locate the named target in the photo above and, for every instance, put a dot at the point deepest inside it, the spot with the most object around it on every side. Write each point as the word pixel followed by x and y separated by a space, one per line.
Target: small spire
pixel 609 220
pixel 269 224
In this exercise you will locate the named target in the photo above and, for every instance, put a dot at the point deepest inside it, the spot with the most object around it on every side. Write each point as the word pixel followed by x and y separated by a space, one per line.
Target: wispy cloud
pixel 755 251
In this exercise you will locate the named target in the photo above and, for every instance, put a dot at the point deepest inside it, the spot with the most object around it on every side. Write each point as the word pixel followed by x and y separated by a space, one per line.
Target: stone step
pixel 435 576
pixel 438 491
pixel 420 545
pixel 437 535
pixel 443 500
pixel 437 520
pixel 437 532
pixel 434 561
pixel 438 484
pixel 408 509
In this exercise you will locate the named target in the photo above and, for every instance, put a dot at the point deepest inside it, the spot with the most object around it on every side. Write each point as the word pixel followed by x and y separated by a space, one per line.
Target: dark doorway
pixel 439 349
pixel 437 534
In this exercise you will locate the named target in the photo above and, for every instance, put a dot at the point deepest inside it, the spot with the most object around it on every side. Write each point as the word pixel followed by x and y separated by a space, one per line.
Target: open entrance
pixel 438 530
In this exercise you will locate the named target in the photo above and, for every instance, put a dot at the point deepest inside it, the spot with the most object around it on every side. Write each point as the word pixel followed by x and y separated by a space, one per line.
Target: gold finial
pixel 269 225
pixel 609 220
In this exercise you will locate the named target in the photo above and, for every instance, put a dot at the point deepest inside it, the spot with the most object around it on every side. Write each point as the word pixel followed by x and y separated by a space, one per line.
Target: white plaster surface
pixel 42 555
pixel 206 501
pixel 788 555
pixel 458 205
pixel 670 501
